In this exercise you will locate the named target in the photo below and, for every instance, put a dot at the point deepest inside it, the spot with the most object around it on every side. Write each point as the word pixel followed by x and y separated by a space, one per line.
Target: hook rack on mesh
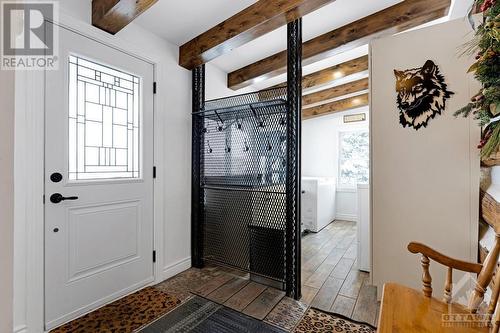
pixel 243 180
pixel 245 195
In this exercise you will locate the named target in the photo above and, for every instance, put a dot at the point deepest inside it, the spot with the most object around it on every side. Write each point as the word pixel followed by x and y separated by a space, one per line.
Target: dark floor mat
pixel 199 315
pixel 226 320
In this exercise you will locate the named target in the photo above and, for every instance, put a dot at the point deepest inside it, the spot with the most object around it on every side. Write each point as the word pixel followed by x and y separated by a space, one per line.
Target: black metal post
pixel 293 191
pixel 197 195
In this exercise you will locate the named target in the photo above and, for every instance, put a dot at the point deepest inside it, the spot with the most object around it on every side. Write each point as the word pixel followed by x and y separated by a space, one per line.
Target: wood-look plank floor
pixel 330 278
pixel 331 282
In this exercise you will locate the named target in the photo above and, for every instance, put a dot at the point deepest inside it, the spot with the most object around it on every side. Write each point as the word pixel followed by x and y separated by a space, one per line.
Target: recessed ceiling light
pixel 338 74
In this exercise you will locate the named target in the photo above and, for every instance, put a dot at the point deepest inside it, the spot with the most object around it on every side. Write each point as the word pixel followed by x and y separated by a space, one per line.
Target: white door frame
pixel 29 175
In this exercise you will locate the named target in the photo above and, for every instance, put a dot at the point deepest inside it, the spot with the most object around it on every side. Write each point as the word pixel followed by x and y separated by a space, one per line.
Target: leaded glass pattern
pixel 104 122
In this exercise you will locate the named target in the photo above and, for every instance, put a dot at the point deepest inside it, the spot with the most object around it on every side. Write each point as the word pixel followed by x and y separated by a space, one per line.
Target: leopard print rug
pixel 124 315
pixel 315 321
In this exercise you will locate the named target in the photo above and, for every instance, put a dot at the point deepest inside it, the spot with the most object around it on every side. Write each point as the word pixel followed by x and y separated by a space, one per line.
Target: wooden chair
pixel 406 310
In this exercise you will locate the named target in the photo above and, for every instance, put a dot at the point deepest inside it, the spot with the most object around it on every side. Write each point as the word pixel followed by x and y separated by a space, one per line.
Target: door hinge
pixel 43 199
pixel 154 256
pixel 154 172
pixel 154 87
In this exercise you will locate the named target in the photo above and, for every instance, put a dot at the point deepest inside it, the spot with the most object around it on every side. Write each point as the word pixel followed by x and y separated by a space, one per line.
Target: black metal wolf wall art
pixel 422 94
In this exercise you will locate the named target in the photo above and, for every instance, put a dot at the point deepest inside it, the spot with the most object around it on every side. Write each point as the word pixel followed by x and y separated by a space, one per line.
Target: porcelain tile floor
pixel 330 280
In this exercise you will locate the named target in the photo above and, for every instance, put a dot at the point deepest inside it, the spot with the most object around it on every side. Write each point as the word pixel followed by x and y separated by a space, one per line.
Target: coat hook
pixel 239 124
pixel 210 150
pixel 269 146
pixel 220 127
pixel 246 147
pixel 228 149
pixel 282 121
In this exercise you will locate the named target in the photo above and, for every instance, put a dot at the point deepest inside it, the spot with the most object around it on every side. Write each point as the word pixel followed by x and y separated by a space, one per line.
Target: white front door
pixel 98 177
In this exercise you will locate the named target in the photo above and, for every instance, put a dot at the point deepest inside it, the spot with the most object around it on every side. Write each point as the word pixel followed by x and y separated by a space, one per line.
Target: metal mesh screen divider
pixel 243 175
pixel 293 183
pixel 197 197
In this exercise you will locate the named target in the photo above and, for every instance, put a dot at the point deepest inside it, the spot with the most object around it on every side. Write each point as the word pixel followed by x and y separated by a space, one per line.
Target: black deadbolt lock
pixel 56 177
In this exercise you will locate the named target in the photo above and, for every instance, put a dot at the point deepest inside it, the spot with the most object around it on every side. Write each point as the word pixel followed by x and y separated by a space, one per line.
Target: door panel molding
pixel 103 301
pixel 72 214
pixel 29 185
pixel 90 244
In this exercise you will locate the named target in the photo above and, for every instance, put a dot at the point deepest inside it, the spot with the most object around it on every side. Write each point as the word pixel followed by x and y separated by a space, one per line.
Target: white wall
pixel 172 157
pixel 172 154
pixel 425 183
pixel 320 152
pixel 216 84
pixel 7 83
pixel 174 113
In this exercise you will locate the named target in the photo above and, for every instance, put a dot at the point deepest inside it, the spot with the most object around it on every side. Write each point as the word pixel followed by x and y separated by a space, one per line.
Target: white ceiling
pixel 180 21
pixel 327 18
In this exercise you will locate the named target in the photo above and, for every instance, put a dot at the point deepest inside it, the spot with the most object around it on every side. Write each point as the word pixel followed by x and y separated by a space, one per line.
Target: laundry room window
pixel 104 121
pixel 354 158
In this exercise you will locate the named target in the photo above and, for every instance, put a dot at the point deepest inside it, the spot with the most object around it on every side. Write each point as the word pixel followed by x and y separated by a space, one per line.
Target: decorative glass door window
pixel 104 122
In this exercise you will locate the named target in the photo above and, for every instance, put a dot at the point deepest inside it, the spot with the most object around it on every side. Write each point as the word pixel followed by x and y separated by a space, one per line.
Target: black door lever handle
pixel 58 197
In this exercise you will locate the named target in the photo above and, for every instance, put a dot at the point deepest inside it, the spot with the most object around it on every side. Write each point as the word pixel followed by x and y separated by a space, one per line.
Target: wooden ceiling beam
pixel 334 92
pixel 335 107
pixel 333 73
pixel 113 15
pixel 397 18
pixel 254 21
pixel 336 72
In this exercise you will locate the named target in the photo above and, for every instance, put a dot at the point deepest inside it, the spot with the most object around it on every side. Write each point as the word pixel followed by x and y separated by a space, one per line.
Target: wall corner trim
pixel 347 217
pixel 176 268
pixel 21 329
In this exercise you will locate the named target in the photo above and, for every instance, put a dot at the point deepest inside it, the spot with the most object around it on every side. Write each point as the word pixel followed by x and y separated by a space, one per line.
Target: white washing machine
pixel 318 203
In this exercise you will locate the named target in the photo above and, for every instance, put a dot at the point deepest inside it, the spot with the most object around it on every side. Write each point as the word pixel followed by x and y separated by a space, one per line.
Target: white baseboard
pixel 21 329
pixel 176 268
pixel 346 217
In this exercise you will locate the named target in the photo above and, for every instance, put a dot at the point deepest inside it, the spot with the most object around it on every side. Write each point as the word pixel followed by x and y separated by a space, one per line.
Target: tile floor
pixel 330 280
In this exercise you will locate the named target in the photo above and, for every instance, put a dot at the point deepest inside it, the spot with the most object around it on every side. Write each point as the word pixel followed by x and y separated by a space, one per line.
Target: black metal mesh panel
pixel 293 192
pixel 197 196
pixel 243 176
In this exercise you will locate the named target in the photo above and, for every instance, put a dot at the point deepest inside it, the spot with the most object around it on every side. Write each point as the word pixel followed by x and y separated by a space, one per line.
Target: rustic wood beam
pixel 335 107
pixel 113 15
pixel 336 72
pixel 334 92
pixel 400 17
pixel 333 73
pixel 254 21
